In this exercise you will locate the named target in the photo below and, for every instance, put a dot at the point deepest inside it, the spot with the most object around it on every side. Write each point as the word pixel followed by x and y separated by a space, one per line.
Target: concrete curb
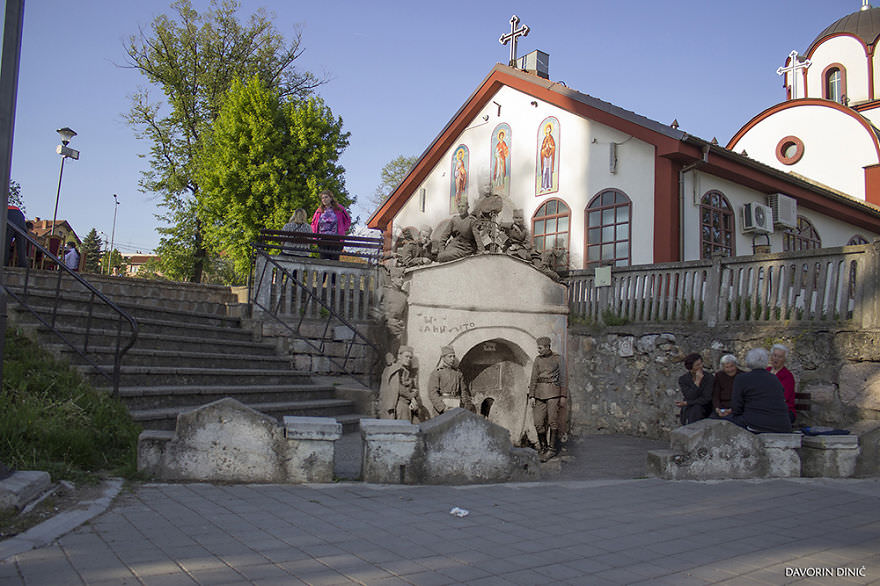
pixel 51 529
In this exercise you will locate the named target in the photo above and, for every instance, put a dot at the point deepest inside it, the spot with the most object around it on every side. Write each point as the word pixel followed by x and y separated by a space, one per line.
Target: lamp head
pixel 66 134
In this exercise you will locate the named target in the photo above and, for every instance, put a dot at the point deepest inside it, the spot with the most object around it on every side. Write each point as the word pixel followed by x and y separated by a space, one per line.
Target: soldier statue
pixel 446 385
pixel 547 395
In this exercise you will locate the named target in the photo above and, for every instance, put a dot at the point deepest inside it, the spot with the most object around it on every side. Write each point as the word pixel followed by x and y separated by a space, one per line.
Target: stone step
pixel 148 340
pixel 172 358
pixel 74 318
pixel 141 398
pixel 177 376
pixel 140 308
pixel 166 418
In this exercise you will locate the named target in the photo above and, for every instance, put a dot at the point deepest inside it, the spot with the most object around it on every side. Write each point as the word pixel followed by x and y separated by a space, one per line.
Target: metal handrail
pixel 123 316
pixel 331 314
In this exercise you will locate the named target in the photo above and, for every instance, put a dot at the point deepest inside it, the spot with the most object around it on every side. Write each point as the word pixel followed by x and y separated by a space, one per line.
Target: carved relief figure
pixel 501 159
pixel 459 176
pixel 548 393
pixel 519 244
pixel 446 385
pixel 455 237
pixel 399 389
pixel 547 160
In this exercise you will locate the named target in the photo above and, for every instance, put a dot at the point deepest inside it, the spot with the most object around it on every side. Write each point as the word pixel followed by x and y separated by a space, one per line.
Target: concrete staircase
pixel 193 348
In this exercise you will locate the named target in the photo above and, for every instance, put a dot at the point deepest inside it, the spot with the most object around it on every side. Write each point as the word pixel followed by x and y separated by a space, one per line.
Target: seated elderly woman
pixel 696 388
pixel 758 401
pixel 722 389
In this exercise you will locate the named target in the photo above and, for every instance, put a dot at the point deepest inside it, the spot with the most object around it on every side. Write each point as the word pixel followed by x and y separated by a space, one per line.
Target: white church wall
pixel 584 170
pixel 836 146
pixel 848 52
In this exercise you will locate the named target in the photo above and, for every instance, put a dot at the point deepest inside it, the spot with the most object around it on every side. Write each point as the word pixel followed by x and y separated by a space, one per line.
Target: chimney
pixel 536 63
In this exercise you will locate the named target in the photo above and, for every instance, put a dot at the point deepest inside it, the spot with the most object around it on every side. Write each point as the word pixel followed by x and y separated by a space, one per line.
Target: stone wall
pixel 624 379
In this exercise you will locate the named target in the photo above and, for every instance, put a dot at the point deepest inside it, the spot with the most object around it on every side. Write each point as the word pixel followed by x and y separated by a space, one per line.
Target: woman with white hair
pixel 778 355
pixel 758 403
pixel 722 389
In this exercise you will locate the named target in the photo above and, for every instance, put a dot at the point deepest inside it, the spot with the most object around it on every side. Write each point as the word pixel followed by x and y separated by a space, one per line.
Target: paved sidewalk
pixel 576 532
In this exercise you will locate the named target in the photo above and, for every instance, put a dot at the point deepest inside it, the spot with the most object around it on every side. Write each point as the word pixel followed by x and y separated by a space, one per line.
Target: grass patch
pixel 53 420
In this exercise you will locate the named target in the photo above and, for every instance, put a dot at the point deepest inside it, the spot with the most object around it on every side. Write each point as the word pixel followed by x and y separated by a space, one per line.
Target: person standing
pixel 15 217
pixel 71 256
pixel 447 388
pixel 330 218
pixel 548 393
pixel 297 223
pixel 778 356
pixel 696 389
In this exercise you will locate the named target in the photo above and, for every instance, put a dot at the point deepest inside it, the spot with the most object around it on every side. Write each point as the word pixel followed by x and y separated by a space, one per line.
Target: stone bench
pixel 829 456
pixel 715 449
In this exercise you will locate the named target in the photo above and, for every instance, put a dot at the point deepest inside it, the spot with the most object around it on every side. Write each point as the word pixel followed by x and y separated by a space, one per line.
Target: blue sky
pixel 397 72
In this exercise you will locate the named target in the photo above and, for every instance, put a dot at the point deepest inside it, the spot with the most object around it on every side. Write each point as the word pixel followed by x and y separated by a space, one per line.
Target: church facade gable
pixel 852 59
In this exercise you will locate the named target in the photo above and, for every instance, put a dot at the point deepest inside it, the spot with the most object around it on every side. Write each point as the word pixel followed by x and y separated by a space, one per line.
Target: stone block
pixel 150 449
pixel 310 448
pixel 22 487
pixel 392 451
pixel 463 448
pixel 829 456
pixel 716 449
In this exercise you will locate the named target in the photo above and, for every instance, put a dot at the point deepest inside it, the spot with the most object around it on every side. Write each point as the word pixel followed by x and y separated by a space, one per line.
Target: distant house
pixel 134 262
pixel 64 231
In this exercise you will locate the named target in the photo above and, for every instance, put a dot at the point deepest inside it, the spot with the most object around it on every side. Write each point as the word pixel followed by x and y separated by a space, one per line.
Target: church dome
pixel 863 24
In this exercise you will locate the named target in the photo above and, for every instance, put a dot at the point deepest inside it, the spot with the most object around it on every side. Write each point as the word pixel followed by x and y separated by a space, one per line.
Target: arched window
pixel 804 237
pixel 857 239
pixel 550 227
pixel 716 226
pixel 609 219
pixel 834 83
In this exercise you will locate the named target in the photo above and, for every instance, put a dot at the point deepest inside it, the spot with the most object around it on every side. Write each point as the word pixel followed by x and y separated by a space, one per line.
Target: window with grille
pixel 804 237
pixel 609 222
pixel 550 229
pixel 716 226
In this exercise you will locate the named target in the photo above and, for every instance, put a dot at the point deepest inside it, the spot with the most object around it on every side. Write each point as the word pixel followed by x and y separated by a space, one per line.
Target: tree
pixel 15 196
pixel 391 175
pixel 266 157
pixel 193 59
pixel 91 252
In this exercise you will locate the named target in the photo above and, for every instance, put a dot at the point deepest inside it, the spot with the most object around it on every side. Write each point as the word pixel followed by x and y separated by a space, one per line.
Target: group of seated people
pixel 761 399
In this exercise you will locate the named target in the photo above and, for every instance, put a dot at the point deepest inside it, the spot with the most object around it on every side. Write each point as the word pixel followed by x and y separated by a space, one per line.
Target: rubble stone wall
pixel 624 379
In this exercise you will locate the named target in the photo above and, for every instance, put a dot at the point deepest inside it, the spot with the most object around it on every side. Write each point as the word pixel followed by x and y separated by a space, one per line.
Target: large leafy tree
pixel 390 177
pixel 91 251
pixel 267 156
pixel 192 58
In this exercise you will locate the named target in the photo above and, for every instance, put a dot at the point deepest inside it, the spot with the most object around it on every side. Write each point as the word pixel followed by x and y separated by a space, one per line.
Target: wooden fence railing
pixel 815 286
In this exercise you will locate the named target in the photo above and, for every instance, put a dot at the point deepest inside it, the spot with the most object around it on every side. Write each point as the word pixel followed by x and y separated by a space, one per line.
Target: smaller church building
pixel 606 186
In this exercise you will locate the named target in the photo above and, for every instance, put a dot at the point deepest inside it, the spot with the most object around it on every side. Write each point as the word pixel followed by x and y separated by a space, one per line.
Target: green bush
pixel 52 420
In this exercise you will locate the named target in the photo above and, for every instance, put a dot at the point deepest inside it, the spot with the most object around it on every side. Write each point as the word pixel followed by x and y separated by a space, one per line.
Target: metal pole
pixel 57 196
pixel 12 26
pixel 112 233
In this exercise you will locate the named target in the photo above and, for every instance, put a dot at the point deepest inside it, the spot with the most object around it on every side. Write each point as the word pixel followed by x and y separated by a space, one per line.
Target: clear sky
pixel 397 71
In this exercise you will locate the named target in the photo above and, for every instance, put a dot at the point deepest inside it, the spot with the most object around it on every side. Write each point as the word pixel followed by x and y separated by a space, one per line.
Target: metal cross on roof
pixel 511 37
pixel 793 68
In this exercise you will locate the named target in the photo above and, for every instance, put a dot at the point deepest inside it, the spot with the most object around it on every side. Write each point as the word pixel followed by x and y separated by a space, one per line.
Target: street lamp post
pixel 66 152
pixel 113 232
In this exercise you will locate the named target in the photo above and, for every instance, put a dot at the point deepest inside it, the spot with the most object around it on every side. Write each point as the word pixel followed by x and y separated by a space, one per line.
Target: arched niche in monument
pixel 495 371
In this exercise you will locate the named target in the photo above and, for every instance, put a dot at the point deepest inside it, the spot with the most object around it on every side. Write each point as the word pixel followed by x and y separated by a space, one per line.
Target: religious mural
pixel 501 160
pixel 547 172
pixel 459 177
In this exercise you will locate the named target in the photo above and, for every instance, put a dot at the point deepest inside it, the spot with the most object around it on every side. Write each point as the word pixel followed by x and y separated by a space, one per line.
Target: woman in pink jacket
pixel 330 218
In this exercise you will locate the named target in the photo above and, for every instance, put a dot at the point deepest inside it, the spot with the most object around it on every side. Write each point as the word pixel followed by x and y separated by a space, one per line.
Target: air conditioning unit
pixel 757 218
pixel 784 210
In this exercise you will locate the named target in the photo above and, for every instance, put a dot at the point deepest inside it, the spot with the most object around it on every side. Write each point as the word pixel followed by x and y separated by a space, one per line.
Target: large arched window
pixel 550 227
pixel 857 239
pixel 804 237
pixel 834 83
pixel 716 226
pixel 609 219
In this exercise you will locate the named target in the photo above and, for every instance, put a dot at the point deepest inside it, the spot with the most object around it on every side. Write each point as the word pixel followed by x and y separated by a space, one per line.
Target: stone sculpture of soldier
pixel 519 244
pixel 446 385
pixel 548 393
pixel 455 237
pixel 399 389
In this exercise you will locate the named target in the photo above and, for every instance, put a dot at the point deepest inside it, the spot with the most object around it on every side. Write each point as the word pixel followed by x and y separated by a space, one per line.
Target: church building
pixel 606 186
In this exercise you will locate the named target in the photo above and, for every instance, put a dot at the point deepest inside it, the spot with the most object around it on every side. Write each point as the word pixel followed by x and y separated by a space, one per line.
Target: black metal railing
pixel 319 299
pixel 125 336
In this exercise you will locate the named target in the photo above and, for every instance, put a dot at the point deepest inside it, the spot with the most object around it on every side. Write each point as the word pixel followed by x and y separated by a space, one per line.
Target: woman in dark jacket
pixel 696 388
